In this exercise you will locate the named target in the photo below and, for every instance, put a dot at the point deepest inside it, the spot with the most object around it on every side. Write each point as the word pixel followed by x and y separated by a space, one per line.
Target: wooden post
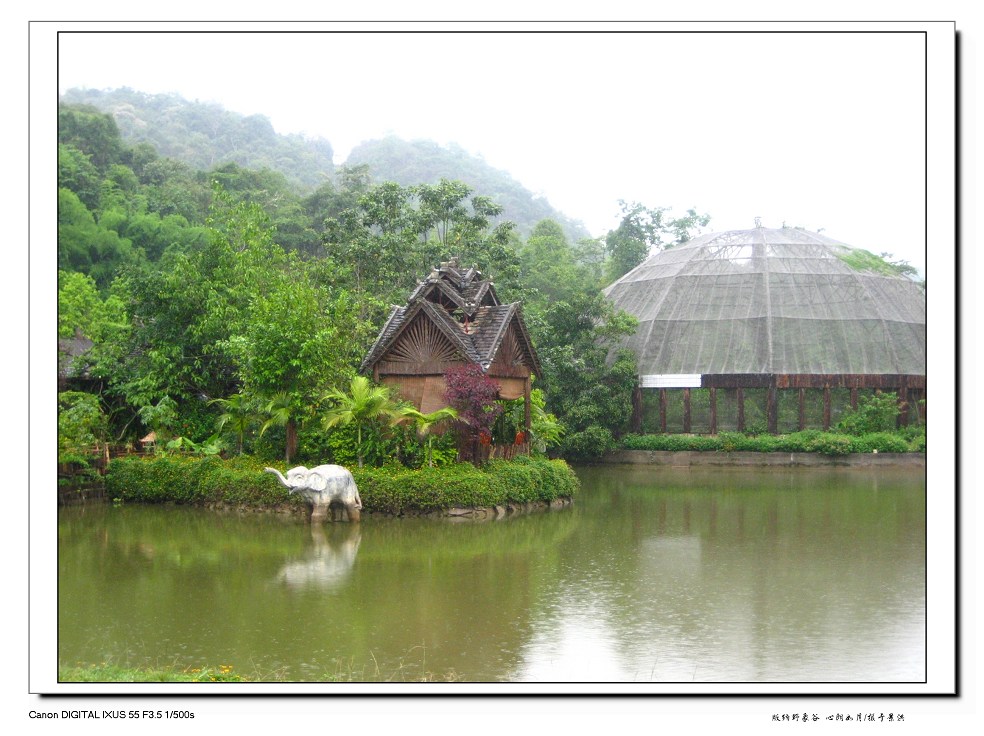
pixel 826 407
pixel 802 407
pixel 854 398
pixel 527 401
pixel 741 409
pixel 772 406
pixel 662 410
pixel 714 411
pixel 686 411
pixel 637 409
pixel 903 418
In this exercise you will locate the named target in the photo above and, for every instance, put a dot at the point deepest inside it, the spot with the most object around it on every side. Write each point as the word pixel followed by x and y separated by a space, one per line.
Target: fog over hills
pixel 205 135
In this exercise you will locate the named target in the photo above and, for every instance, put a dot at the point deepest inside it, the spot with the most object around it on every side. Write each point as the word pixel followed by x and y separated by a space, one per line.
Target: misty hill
pixel 205 135
pixel 426 162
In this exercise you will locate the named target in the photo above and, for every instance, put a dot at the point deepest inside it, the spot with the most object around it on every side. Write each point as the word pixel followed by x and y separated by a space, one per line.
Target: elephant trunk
pixel 279 475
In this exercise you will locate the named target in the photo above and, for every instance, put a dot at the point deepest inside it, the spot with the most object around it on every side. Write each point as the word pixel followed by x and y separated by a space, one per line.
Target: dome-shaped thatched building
pixel 766 310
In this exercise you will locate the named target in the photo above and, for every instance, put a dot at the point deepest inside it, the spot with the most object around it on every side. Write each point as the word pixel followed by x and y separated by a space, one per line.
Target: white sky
pixel 823 130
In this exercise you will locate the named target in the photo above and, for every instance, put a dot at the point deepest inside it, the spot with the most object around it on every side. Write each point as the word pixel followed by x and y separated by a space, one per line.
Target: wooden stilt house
pixel 453 317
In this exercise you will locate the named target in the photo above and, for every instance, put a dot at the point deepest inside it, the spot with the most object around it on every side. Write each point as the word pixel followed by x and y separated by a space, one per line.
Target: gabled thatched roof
pixel 463 287
pixel 465 309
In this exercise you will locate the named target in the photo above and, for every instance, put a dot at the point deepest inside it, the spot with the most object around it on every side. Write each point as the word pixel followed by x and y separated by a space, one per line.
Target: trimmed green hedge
pixel 195 480
pixel 190 480
pixel 825 443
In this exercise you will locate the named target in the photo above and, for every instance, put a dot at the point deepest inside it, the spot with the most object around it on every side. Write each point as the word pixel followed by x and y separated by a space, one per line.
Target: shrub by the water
pixel 880 442
pixel 195 480
pixel 876 413
pixel 588 444
pixel 390 489
pixel 915 435
pixel 672 442
pixel 834 444
pixel 824 443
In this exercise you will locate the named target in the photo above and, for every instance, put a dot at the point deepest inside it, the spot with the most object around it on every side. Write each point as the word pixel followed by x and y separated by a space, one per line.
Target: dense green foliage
pixel 364 406
pixel 230 300
pixel 81 425
pixel 391 489
pixel 225 301
pixel 824 443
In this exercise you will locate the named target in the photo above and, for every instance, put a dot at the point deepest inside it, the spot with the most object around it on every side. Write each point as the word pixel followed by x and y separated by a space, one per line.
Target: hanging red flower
pixel 520 438
pixel 485 438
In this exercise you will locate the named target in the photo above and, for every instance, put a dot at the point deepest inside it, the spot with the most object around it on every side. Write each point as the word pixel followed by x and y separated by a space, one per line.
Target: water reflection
pixel 653 575
pixel 748 578
pixel 328 563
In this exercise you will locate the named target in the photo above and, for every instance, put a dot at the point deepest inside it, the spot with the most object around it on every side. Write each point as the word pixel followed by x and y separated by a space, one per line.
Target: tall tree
pixel 239 414
pixel 395 233
pixel 185 312
pixel 549 268
pixel 588 384
pixel 643 230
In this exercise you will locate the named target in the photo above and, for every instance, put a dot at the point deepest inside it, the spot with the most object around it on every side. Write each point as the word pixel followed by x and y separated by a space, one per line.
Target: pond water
pixel 655 574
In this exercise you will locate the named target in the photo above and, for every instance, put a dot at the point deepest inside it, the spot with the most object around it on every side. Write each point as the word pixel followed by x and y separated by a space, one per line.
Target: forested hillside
pixel 205 135
pixel 216 307
pixel 413 162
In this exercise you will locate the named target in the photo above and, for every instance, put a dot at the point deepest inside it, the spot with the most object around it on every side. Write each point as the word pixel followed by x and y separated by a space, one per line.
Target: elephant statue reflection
pixel 323 487
pixel 327 563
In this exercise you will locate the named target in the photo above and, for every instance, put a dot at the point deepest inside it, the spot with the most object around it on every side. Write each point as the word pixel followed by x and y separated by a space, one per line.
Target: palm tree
pixel 282 412
pixel 426 422
pixel 363 405
pixel 239 412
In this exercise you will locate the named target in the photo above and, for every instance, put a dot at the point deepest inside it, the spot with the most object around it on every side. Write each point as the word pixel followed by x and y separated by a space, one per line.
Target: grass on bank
pixel 411 668
pixel 113 673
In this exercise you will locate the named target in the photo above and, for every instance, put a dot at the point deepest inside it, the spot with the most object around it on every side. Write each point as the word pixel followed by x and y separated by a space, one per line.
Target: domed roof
pixel 771 301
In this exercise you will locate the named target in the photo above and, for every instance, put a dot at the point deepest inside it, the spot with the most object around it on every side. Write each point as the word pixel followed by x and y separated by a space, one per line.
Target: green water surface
pixel 655 574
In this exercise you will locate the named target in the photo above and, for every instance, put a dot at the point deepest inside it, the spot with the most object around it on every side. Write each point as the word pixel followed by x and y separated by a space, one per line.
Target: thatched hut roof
pixel 454 316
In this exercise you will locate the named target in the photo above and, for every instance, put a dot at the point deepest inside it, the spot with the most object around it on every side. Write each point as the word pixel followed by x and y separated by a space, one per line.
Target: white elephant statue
pixel 322 487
